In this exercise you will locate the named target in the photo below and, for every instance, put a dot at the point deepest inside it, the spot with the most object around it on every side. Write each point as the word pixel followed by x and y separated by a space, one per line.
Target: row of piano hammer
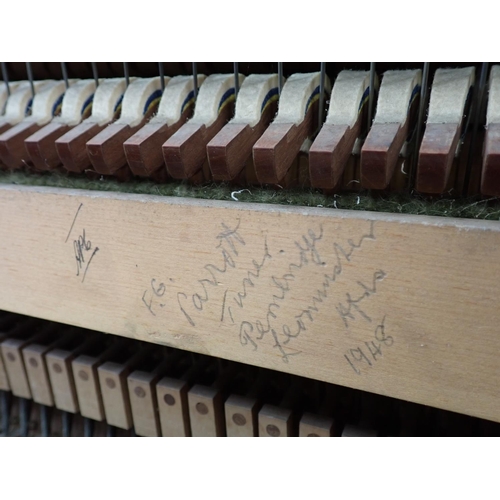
pixel 150 389
pixel 141 130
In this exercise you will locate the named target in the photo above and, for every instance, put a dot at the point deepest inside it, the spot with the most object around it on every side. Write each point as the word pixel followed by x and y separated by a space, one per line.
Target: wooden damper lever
pixel 449 95
pixel 140 101
pixel 275 151
pixel 144 149
pixel 106 107
pixel 330 151
pixel 18 104
pixel 490 180
pixel 6 116
pixel 76 105
pixel 186 151
pixel 46 105
pixel 256 106
pixel 399 93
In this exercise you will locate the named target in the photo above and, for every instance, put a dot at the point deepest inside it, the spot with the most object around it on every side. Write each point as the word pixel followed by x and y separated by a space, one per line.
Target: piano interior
pixel 249 249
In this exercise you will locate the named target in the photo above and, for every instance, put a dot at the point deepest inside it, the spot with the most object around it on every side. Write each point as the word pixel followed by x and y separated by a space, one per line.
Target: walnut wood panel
pixel 404 306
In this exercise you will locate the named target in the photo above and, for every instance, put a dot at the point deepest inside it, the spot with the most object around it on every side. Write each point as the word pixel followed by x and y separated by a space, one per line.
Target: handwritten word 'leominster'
pixel 251 332
pixel 266 308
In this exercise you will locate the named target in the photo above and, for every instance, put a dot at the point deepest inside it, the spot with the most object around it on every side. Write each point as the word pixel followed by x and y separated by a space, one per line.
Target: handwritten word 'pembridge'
pixel 308 255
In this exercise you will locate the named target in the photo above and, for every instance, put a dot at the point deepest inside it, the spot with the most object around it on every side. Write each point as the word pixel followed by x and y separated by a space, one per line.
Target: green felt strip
pixel 475 208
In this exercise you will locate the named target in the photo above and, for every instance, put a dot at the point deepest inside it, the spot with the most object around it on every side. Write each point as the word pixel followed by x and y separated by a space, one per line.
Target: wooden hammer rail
pixel 402 306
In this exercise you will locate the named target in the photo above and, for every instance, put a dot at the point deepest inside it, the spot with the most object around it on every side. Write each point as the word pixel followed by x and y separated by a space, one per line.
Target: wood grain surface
pixel 404 306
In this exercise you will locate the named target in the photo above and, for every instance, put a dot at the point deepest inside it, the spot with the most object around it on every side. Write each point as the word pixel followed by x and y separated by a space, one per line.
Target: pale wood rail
pixel 404 306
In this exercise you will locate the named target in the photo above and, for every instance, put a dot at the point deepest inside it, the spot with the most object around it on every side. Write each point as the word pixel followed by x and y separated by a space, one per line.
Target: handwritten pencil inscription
pixel 83 250
pixel 371 351
pixel 228 247
pixel 241 287
pixel 152 296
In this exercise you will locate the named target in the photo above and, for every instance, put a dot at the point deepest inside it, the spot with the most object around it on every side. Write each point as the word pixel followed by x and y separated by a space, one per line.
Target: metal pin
pixel 321 94
pixel 477 114
pixel 423 99
pixel 280 77
pixel 30 78
pixel 484 77
pixel 6 77
pixel 65 75
pixel 5 412
pixel 45 420
pixel 88 427
pixel 372 94
pixel 66 424
pixel 195 80
pixel 420 120
pixel 126 73
pixel 236 80
pixel 96 75
pixel 161 70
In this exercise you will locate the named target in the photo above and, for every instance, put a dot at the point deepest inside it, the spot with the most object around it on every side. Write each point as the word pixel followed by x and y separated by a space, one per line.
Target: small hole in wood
pixel 272 430
pixel 201 408
pixel 169 399
pixel 239 419
pixel 139 392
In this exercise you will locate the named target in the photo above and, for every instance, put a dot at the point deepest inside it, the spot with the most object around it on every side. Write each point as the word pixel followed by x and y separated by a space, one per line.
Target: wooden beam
pixel 404 306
